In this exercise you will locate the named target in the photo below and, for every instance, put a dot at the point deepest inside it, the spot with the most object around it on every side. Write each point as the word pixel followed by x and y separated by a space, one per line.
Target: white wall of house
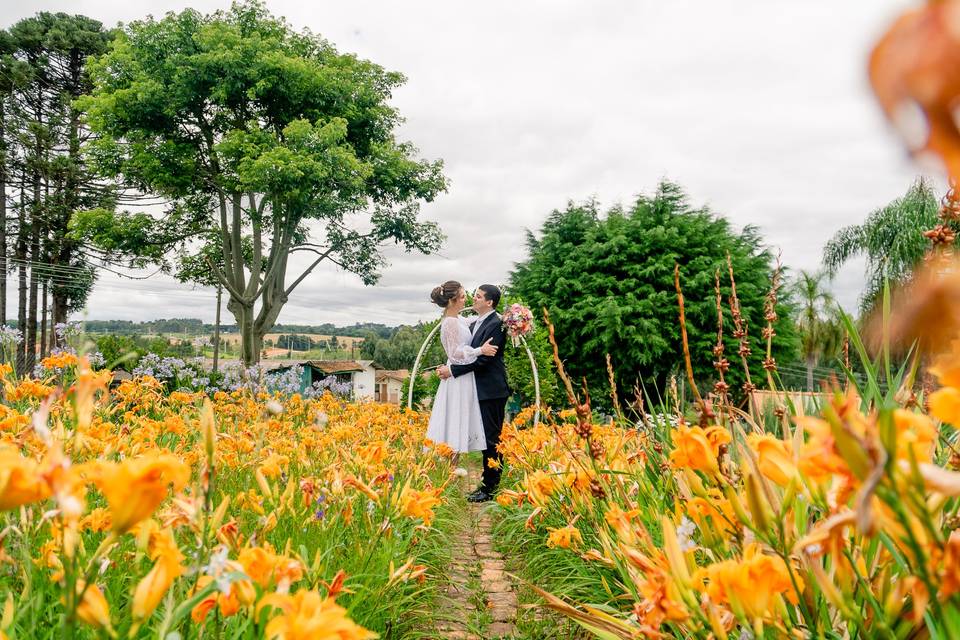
pixel 390 389
pixel 364 382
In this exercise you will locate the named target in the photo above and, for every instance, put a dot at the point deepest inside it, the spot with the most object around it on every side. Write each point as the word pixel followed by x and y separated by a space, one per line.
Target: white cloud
pixel 759 108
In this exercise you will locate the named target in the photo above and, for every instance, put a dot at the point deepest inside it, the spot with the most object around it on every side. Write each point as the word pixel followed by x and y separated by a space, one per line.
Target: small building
pixel 361 374
pixel 390 385
pixel 365 381
pixel 119 376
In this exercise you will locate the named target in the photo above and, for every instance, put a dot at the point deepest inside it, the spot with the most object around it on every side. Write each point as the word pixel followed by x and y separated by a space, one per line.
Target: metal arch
pixel 416 364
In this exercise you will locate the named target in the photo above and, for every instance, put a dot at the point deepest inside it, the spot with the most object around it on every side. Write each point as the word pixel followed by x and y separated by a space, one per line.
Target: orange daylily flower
pixel 135 488
pixel 540 486
pixel 153 586
pixel 914 73
pixel 945 405
pixel 306 615
pixel 750 584
pixel 916 436
pixel 698 448
pixel 419 504
pixel 264 567
pixel 20 480
pixel 564 537
pixel 242 593
pixel 773 457
pixel 93 608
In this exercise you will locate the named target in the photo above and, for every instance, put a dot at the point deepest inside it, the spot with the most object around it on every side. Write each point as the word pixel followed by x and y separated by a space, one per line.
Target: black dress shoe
pixel 479 496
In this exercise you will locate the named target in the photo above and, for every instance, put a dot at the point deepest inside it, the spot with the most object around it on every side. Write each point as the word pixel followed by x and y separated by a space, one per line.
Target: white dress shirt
pixel 479 322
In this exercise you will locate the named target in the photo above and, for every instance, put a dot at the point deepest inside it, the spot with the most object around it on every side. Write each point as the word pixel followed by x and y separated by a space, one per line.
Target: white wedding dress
pixel 455 418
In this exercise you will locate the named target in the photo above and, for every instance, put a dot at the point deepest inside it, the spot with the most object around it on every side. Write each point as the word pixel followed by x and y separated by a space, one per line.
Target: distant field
pixel 344 341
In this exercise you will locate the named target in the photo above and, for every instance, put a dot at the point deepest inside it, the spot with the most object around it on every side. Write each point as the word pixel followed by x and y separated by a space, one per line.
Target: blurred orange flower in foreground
pixel 915 72
pixel 20 480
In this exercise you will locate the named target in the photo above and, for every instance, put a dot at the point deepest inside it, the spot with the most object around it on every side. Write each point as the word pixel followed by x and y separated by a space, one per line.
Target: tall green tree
pixel 10 78
pixel 70 40
pixel 607 281
pixel 399 350
pixel 821 333
pixel 250 128
pixel 891 239
pixel 43 177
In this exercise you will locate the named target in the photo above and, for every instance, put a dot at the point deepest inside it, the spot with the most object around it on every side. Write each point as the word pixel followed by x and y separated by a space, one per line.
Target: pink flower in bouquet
pixel 518 321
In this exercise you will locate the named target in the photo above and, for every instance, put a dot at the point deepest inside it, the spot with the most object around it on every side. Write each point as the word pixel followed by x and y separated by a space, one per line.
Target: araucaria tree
pixel 44 179
pixel 256 133
pixel 608 283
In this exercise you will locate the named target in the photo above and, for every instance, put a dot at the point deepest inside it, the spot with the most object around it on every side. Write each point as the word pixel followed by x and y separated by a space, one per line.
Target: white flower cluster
pixel 285 382
pixel 189 374
pixel 685 534
pixel 67 330
pixel 176 371
pixel 9 336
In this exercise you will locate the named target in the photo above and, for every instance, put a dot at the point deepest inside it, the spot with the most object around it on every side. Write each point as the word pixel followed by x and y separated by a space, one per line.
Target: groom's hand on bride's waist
pixel 444 372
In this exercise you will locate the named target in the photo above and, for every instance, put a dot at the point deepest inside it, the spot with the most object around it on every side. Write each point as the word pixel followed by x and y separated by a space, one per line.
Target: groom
pixel 491 380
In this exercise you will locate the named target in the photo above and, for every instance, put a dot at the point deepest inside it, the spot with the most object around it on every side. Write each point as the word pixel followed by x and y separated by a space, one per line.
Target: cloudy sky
pixel 759 108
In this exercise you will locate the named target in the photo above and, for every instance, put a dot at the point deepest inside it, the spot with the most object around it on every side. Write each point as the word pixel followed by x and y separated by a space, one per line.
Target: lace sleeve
pixel 457 351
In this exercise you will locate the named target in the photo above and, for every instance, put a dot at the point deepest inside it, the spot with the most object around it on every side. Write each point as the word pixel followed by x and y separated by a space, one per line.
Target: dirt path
pixel 481 602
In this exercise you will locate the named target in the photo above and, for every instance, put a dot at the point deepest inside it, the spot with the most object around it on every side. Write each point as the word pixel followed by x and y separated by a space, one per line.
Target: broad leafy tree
pixel 891 239
pixel 608 283
pixel 399 350
pixel 250 129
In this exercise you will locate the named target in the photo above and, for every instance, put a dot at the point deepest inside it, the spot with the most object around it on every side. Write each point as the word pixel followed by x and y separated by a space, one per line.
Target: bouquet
pixel 518 321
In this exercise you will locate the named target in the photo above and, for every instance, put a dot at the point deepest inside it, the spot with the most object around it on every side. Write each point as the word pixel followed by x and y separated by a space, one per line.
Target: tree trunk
pixel 21 260
pixel 3 214
pixel 43 321
pixel 71 200
pixel 58 314
pixel 31 332
pixel 810 364
pixel 216 332
pixel 243 313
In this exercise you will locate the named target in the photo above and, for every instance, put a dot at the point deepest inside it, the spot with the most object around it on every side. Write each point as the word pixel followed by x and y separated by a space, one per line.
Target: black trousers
pixel 492 413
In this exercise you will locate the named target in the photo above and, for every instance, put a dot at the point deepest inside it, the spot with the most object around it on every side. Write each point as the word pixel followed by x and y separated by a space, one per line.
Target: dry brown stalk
pixel 613 389
pixel 584 423
pixel 942 234
pixel 683 335
pixel 740 333
pixel 638 404
pixel 721 364
pixel 770 315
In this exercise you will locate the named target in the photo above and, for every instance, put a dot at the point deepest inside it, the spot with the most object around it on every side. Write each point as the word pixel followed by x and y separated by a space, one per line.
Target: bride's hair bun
pixel 446 292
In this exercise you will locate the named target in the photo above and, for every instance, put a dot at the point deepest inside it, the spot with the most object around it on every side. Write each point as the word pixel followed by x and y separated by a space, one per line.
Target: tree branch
pixel 308 270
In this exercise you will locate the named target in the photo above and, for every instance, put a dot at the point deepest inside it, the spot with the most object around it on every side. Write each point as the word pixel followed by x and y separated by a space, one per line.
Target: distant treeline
pixel 195 326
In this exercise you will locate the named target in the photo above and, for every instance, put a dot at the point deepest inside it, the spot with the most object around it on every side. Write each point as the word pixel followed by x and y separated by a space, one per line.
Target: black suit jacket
pixel 490 372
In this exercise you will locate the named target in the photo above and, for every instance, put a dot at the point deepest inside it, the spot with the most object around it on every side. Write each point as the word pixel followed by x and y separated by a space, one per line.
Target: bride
pixel 455 418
